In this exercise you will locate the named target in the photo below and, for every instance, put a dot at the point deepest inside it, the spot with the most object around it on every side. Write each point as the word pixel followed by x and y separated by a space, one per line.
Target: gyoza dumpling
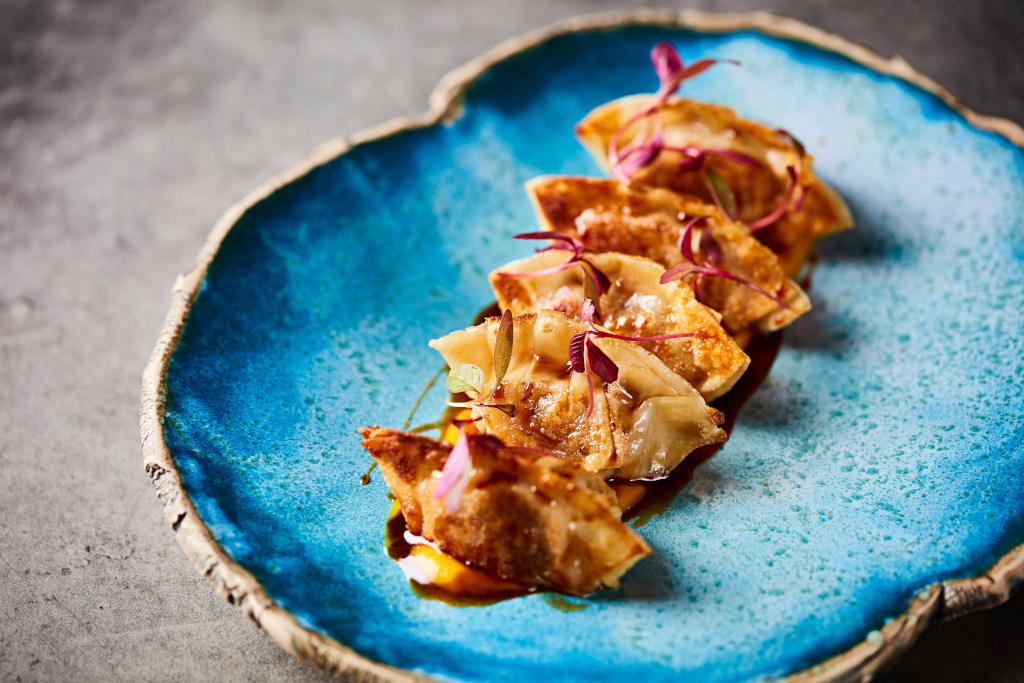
pixel 609 215
pixel 535 519
pixel 638 427
pixel 759 191
pixel 635 305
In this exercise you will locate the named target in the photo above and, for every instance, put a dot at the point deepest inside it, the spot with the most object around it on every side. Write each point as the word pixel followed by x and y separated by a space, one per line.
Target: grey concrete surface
pixel 126 128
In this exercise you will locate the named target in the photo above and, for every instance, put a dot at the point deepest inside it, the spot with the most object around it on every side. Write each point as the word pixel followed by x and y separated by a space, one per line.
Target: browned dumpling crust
pixel 638 427
pixel 534 519
pixel 758 191
pixel 635 305
pixel 609 215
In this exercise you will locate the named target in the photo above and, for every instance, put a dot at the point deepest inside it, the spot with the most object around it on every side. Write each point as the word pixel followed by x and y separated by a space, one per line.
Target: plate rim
pixel 939 602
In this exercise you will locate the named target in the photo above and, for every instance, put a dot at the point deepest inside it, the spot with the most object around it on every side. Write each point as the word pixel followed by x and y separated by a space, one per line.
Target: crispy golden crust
pixel 635 305
pixel 643 432
pixel 758 191
pixel 608 215
pixel 534 519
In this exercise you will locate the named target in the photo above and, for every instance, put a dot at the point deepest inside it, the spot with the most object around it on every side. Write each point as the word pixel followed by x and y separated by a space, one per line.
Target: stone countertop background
pixel 126 128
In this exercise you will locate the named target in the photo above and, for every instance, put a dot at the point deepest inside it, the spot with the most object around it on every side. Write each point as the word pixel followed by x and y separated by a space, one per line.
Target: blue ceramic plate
pixel 882 455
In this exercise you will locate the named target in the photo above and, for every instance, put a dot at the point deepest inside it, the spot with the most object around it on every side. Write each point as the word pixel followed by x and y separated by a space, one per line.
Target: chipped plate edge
pixel 881 648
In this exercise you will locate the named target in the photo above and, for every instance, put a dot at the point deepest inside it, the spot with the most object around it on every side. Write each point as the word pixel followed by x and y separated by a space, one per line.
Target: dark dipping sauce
pixel 461 585
pixel 658 495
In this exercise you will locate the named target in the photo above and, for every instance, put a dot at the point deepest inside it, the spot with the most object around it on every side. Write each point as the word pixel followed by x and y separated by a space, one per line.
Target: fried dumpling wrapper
pixel 758 191
pixel 609 215
pixel 535 519
pixel 636 305
pixel 640 427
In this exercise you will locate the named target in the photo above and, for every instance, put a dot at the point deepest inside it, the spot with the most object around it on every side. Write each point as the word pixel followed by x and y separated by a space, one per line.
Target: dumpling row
pixel 553 522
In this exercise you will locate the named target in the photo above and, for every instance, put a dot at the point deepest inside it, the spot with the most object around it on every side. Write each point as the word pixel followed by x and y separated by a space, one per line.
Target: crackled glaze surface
pixel 883 453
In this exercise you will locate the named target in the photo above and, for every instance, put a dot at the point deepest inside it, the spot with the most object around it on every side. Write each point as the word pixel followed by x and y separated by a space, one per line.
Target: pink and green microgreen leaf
pixel 646 144
pixel 563 242
pixel 456 472
pixel 794 189
pixel 458 468
pixel 783 206
pixel 585 356
pixel 644 147
pixel 792 140
pixel 469 379
pixel 694 263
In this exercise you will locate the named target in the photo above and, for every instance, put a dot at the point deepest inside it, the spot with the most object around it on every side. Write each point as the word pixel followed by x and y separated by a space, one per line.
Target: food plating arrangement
pixel 591 382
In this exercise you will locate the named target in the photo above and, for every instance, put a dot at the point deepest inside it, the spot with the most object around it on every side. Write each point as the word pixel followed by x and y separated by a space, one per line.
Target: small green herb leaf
pixel 503 347
pixel 590 290
pixel 723 193
pixel 506 408
pixel 465 378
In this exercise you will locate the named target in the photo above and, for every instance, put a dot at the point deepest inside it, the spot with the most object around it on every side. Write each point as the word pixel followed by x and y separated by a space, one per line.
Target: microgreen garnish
pixel 562 242
pixel 458 469
pixel 503 347
pixel 506 408
pixel 469 379
pixel 667 62
pixel 365 479
pixel 793 142
pixel 721 192
pixel 475 404
pixel 639 152
pixel 586 357
pixel 464 379
pixel 793 171
pixel 696 264
pixel 787 200
pixel 648 143
pixel 672 72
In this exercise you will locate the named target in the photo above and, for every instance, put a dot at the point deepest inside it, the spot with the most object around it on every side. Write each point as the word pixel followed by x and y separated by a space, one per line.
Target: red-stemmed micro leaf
pixel 559 238
pixel 455 473
pixel 792 140
pixel 646 144
pixel 627 159
pixel 666 61
pixel 794 188
pixel 602 366
pixel 694 263
pixel 784 205
pixel 577 346
pixel 458 468
pixel 586 357
pixel 563 242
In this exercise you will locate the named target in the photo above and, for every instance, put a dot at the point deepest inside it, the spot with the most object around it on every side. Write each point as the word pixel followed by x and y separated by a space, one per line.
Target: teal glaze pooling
pixel 882 454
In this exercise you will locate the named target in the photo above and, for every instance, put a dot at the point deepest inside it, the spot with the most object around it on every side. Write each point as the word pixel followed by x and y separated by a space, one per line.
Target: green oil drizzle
pixel 561 604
